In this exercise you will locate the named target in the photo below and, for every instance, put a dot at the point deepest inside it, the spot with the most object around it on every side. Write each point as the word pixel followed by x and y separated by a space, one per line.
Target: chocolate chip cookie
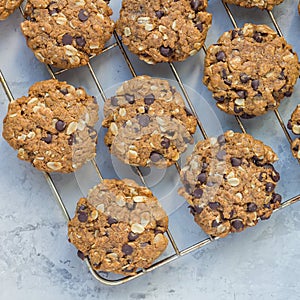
pixel 53 127
pixel 262 4
pixel 163 30
pixel 294 126
pixel 66 33
pixel 120 226
pixel 147 123
pixel 250 70
pixel 230 182
pixel 7 7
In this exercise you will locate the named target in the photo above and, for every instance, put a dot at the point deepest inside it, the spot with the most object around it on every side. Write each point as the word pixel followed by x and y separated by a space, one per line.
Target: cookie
pixel 229 183
pixel 294 126
pixel 7 7
pixel 147 123
pixel 262 4
pixel 250 70
pixel 120 227
pixel 66 33
pixel 53 127
pixel 163 31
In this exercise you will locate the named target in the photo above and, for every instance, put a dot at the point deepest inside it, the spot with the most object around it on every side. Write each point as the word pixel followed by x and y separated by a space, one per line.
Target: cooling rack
pixel 176 252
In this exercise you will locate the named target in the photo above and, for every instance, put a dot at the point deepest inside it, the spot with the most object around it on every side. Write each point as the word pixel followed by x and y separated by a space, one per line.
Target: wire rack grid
pixel 176 252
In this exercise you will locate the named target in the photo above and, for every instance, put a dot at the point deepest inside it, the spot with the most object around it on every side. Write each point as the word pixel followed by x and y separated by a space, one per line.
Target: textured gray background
pixel 36 260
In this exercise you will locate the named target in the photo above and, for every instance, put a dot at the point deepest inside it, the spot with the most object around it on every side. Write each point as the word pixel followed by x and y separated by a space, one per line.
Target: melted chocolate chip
pixel 149 99
pixel 111 220
pixel 166 51
pixel 220 99
pixel 195 4
pixel 127 250
pixel 237 224
pixel 221 155
pixel 221 139
pixel 60 125
pixel 255 84
pixel 165 143
pixel 237 109
pixel 214 205
pixel 257 37
pixel 47 139
pixel 80 255
pixel 144 120
pixel 220 56
pixel 64 91
pixel 199 26
pixel 215 223
pixel 129 98
pixel 275 176
pixel 227 81
pixel 114 101
pixel 80 41
pixel 276 198
pixel 244 78
pixel 53 11
pixel 159 13
pixel 235 33
pixel 67 39
pixel 198 193
pixel 198 209
pixel 71 140
pixel 82 216
pixel 132 236
pixel 202 177
pixel 155 156
pixel 223 74
pixel 288 94
pixel 242 94
pixel 235 162
pixel 251 207
pixel 83 15
pixel 289 125
pixel 270 187
pixel 246 116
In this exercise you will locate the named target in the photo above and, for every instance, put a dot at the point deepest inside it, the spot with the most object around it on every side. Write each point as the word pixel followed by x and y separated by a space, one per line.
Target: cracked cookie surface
pixel 52 127
pixel 163 31
pixel 65 33
pixel 7 7
pixel 294 126
pixel 229 182
pixel 262 4
pixel 120 226
pixel 250 70
pixel 147 123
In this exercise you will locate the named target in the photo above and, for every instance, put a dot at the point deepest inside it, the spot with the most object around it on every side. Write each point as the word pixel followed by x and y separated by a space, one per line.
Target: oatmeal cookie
pixel 294 126
pixel 262 4
pixel 7 7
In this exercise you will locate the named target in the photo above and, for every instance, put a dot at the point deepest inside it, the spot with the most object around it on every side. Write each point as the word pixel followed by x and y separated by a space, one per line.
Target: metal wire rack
pixel 176 252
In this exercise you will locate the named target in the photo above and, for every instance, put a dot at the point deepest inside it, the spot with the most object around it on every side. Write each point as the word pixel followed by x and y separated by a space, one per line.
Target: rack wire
pixel 176 252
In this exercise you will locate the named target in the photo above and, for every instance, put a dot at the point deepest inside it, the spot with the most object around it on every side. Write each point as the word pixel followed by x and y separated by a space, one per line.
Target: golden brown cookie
pixel 163 30
pixel 230 183
pixel 53 127
pixel 147 123
pixel 262 4
pixel 120 227
pixel 294 126
pixel 7 7
pixel 250 70
pixel 65 33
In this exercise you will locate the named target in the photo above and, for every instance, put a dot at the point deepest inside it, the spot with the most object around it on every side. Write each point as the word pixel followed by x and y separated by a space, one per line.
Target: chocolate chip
pixel 144 120
pixel 246 116
pixel 67 39
pixel 198 209
pixel 268 205
pixel 237 224
pixel 251 207
pixel 227 81
pixel 270 187
pixel 129 98
pixel 47 139
pixel 235 33
pixel 276 198
pixel 204 166
pixel 231 214
pixel 281 75
pixel 82 216
pixel 275 176
pixel 114 101
pixel 132 236
pixel 127 250
pixel 60 125
pixel 71 140
pixel 235 162
pixel 289 125
pixel 269 167
pixel 111 220
pixel 296 148
pixel 209 184
pixel 244 78
pixel 223 74
pixel 188 113
pixel 131 206
pixel 221 154
pixel 262 176
pixel 83 15
pixel 255 84
pixel 64 91
pixel 242 94
pixel 198 193
pixel 80 41
pixel 81 208
pixel 149 99
pixel 220 56
pixel 155 156
pixel 195 4
pixel 80 255
pixel 92 132
pixel 288 94
pixel 220 99
pixel 264 217
pixel 214 205
pixel 237 109
pixel 221 139
pixel 256 161
pixel 199 26
pixel 257 37
pixel 215 223
pixel 53 11
pixel 166 51
pixel 165 143
pixel 159 13
pixel 202 177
